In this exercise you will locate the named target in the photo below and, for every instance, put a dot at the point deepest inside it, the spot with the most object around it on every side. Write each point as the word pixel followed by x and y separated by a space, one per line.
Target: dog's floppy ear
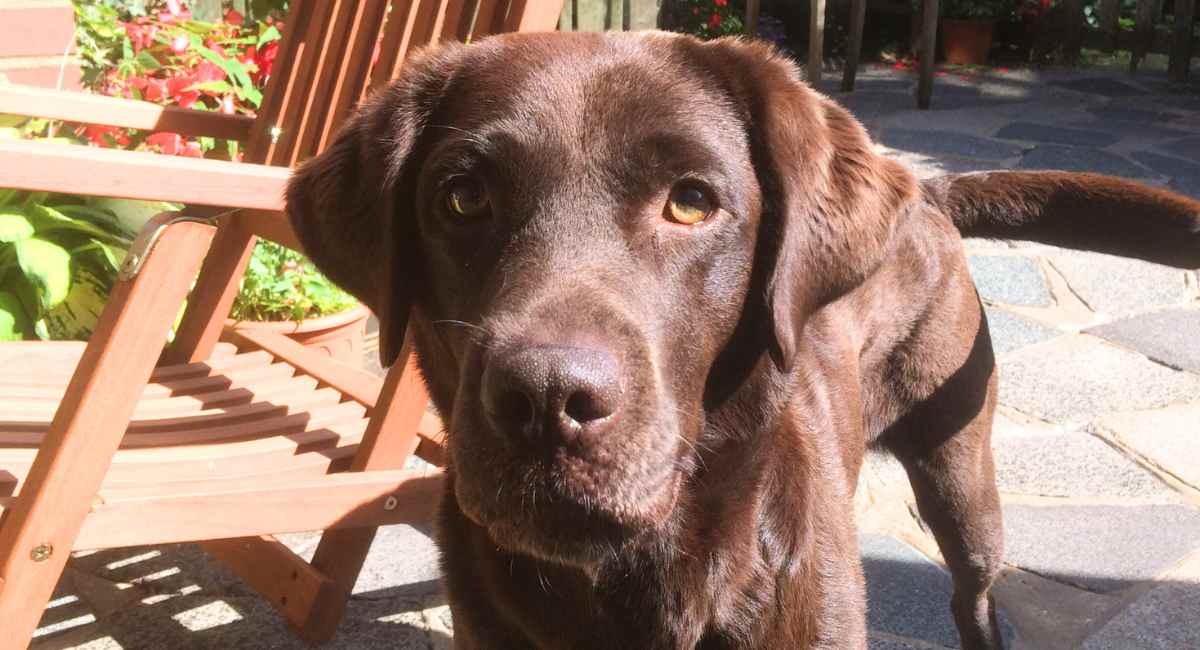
pixel 352 205
pixel 830 202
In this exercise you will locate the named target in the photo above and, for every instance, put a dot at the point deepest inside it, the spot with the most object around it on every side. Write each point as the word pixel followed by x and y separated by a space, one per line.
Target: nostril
pixel 516 408
pixel 585 406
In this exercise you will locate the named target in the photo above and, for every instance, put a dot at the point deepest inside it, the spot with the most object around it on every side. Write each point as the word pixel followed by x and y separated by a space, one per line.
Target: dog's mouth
pixel 564 508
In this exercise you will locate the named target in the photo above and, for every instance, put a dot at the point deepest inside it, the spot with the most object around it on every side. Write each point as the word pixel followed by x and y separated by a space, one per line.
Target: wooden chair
pixel 121 443
pixel 858 12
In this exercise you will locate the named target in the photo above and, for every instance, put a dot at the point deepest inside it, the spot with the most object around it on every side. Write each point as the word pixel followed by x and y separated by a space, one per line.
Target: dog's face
pixel 587 227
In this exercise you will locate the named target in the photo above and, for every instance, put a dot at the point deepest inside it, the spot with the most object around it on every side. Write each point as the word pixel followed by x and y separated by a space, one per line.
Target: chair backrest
pixel 336 51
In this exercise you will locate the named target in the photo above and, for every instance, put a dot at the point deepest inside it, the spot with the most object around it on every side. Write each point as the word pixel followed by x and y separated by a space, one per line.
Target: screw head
pixel 41 552
pixel 390 503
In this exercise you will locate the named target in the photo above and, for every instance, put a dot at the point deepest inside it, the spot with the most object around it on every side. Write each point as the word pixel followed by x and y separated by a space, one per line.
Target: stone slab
pixel 907 594
pixel 1033 132
pixel 1164 618
pixel 1104 86
pixel 1011 331
pixel 1119 285
pixel 1072 464
pixel 880 643
pixel 1188 148
pixel 1110 113
pixel 1175 168
pixel 1103 548
pixel 1077 378
pixel 939 143
pixel 1010 279
pixel 1170 437
pixel 1170 337
pixel 1080 159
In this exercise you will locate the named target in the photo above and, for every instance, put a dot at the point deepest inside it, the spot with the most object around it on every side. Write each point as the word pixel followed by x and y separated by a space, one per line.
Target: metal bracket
pixel 149 235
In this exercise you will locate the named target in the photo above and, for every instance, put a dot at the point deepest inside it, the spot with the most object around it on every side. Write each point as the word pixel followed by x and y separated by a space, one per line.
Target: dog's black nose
pixel 551 393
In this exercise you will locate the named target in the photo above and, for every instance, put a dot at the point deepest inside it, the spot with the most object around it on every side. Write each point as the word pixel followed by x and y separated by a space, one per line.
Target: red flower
pixel 192 150
pixel 714 21
pixel 103 136
pixel 179 88
pixel 265 59
pixel 209 71
pixel 166 142
pixel 721 3
pixel 234 18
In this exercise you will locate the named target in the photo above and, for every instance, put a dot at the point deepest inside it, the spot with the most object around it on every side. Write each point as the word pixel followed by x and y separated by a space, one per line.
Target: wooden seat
pixel 221 438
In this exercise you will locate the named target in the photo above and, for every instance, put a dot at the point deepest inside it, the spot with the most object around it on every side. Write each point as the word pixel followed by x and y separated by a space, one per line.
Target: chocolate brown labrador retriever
pixel 665 296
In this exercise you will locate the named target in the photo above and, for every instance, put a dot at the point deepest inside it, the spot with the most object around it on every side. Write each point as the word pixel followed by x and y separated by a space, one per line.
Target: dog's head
pixel 610 245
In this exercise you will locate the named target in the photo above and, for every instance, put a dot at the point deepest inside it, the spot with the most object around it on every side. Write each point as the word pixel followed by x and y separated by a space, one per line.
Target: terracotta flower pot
pixel 967 40
pixel 340 335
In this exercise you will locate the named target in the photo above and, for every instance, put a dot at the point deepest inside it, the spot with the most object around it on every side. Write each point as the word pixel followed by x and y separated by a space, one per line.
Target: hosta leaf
pixel 14 322
pixel 46 219
pixel 47 267
pixel 14 226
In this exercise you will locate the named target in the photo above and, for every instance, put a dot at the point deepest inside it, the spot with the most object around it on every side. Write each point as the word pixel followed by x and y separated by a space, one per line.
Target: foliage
pixel 708 18
pixel 980 9
pixel 281 284
pixel 156 51
pixel 58 258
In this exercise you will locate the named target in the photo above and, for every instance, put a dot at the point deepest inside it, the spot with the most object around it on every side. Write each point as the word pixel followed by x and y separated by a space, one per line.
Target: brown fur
pixel 732 372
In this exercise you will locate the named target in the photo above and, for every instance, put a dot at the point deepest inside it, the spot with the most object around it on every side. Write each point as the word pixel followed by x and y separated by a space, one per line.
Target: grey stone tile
pixel 870 104
pixel 1101 86
pixel 1117 113
pixel 938 143
pixel 1172 167
pixel 1170 337
pixel 1010 280
pixel 907 594
pixel 1056 135
pixel 1138 131
pixel 877 643
pixel 1011 331
pixel 1077 378
pixel 1080 159
pixel 1170 437
pixel 1102 548
pixel 1164 618
pixel 1118 285
pixel 1185 148
pixel 400 555
pixel 1073 464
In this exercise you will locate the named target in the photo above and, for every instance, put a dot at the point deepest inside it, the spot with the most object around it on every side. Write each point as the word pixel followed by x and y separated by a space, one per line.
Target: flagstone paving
pixel 1096 441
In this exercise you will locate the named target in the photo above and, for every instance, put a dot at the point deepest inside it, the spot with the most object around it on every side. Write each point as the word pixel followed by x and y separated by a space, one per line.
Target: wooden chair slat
pixel 279 85
pixel 334 46
pixel 299 82
pixel 353 69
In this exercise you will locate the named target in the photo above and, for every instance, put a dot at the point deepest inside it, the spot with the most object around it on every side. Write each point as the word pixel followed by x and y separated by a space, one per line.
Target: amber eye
pixel 466 197
pixel 689 204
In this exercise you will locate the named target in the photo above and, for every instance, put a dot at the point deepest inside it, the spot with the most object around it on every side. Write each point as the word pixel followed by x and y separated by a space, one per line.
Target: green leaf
pixel 47 266
pixel 132 214
pixel 269 34
pixel 46 219
pixel 9 196
pixel 147 60
pixel 218 87
pixel 15 324
pixel 14 226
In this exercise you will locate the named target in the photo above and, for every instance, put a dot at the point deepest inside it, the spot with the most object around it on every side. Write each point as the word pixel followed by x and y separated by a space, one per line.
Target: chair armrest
pixel 114 111
pixel 76 169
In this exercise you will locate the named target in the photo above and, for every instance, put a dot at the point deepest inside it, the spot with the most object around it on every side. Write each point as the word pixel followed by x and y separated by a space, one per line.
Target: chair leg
pixel 929 23
pixel 390 438
pixel 858 16
pixel 37 533
pixel 816 40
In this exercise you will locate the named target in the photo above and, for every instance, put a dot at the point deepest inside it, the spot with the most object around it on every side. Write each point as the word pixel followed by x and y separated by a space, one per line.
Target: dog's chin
pixel 580 532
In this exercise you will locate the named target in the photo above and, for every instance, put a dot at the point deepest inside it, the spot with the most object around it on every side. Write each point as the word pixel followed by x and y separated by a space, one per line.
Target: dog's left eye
pixel 689 204
pixel 467 198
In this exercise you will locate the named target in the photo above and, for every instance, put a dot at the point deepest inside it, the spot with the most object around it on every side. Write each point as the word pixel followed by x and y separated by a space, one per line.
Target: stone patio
pixel 1097 442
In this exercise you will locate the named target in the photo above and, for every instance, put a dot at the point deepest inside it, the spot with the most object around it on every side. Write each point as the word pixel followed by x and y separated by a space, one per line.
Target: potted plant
pixel 282 291
pixel 968 27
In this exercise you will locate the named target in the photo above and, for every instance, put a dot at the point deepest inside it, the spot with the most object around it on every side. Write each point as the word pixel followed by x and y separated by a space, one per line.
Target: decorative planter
pixel 340 335
pixel 967 41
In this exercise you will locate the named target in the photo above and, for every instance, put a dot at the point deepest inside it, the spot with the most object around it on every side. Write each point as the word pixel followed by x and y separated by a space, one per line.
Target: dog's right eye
pixel 689 204
pixel 466 197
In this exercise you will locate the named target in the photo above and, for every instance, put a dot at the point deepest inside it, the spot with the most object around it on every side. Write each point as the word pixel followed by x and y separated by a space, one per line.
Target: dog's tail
pixel 1075 210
